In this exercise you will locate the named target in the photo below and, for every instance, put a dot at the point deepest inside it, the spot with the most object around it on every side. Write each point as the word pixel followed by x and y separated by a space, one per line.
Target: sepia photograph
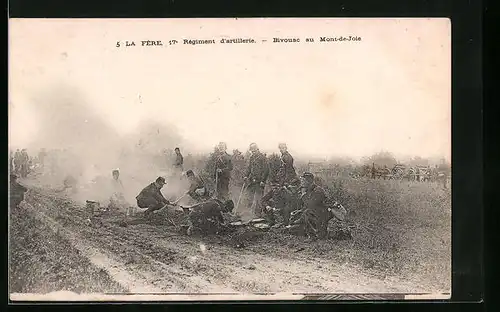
pixel 229 159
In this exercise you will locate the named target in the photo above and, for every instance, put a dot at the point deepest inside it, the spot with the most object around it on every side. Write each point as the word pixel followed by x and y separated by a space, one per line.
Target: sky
pixel 390 91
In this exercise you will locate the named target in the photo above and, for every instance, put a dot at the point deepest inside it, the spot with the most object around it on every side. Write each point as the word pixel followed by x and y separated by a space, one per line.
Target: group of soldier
pixel 295 202
pixel 20 162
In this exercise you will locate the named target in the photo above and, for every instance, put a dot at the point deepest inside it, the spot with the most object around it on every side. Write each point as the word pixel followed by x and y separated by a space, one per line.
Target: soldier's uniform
pixel 224 163
pixel 256 174
pixel 17 162
pixel 152 198
pixel 206 217
pixel 24 163
pixel 282 200
pixel 286 173
pixel 314 215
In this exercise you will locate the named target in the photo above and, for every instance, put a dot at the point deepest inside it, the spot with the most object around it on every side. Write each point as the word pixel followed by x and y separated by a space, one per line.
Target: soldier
pixel 207 217
pixel 151 197
pixel 374 171
pixel 255 178
pixel 17 161
pixel 179 161
pixel 16 192
pixel 286 172
pixel 223 168
pixel 197 189
pixel 24 163
pixel 280 201
pixel 313 216
pixel 117 199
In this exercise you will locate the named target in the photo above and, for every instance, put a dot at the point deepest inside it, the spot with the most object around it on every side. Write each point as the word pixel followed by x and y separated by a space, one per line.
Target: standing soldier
pixel 178 162
pixel 17 161
pixel 24 163
pixel 223 168
pixel 255 179
pixel 286 172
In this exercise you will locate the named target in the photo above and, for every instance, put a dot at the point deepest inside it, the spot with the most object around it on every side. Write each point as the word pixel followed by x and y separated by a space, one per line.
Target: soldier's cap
pixel 161 180
pixel 189 172
pixel 282 145
pixel 116 171
pixel 13 176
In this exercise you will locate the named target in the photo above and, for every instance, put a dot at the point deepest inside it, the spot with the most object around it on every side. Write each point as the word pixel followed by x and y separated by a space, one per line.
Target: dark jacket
pixel 211 209
pixel 223 161
pixel 287 172
pixel 315 212
pixel 258 168
pixel 151 191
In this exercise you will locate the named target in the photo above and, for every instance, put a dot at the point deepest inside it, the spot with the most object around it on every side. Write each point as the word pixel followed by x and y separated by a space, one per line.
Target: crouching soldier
pixel 197 189
pixel 280 201
pixel 151 197
pixel 16 192
pixel 312 219
pixel 207 217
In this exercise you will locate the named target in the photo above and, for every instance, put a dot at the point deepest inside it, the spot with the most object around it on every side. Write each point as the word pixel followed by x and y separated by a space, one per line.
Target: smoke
pixel 83 144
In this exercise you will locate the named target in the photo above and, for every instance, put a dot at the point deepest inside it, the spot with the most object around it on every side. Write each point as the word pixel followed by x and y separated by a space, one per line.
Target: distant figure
pixel 374 171
pixel 255 178
pixel 223 168
pixel 16 192
pixel 207 217
pixel 286 173
pixel 179 161
pixel 151 197
pixel 117 199
pixel 17 161
pixel 197 189
pixel 24 163
pixel 312 218
pixel 41 157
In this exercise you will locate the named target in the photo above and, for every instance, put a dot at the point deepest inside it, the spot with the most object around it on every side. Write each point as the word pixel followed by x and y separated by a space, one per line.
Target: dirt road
pixel 153 257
